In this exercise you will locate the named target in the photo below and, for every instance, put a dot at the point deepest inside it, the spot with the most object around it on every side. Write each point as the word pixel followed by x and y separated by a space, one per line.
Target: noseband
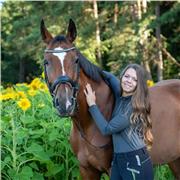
pixel 63 80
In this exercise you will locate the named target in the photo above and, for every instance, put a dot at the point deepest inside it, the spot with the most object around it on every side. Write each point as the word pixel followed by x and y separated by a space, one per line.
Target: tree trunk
pixel 21 71
pixel 144 39
pixel 116 11
pixel 148 70
pixel 134 11
pixel 139 9
pixel 159 44
pixel 144 6
pixel 98 39
pixel 170 57
pixel 22 59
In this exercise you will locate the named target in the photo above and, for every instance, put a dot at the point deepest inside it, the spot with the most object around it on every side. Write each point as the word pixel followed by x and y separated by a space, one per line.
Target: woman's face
pixel 129 82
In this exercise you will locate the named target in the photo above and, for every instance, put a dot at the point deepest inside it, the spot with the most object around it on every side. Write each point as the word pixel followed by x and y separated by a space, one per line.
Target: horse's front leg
pixel 89 173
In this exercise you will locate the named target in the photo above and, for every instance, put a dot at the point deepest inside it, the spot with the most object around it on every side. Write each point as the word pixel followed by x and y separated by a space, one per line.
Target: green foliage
pixel 35 143
pixel 162 173
pixel 170 36
pixel 120 43
pixel 168 16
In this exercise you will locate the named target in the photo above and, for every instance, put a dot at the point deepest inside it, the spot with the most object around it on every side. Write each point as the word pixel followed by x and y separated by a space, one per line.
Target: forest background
pixel 111 34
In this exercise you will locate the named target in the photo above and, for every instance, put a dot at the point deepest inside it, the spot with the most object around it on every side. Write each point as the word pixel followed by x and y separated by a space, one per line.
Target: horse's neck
pixel 104 100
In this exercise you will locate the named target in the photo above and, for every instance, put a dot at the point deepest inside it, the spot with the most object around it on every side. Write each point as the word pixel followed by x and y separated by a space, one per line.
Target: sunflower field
pixel 35 141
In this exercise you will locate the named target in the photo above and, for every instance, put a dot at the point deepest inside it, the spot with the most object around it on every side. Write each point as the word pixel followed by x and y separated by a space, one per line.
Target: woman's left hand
pixel 90 95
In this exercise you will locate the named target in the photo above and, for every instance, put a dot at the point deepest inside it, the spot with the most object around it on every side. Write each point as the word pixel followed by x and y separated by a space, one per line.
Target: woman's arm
pixel 116 124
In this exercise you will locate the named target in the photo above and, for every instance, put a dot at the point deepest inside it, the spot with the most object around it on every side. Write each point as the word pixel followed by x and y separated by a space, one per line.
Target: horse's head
pixel 61 68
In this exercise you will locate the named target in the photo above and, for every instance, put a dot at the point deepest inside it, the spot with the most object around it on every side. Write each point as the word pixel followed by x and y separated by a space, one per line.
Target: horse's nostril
pixel 57 102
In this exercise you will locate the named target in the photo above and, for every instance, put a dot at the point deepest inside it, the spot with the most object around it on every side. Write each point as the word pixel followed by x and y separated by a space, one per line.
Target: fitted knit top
pixel 125 135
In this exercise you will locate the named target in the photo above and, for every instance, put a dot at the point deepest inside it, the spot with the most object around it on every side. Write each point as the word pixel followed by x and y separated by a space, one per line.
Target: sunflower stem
pixel 14 156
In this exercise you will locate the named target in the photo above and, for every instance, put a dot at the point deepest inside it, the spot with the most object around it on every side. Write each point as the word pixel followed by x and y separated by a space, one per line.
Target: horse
pixel 67 72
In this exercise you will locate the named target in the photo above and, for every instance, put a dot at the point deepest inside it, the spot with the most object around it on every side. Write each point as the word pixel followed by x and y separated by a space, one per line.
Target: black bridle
pixel 63 80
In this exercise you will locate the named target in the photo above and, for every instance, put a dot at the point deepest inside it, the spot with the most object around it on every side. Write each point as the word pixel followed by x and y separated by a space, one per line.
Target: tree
pixel 159 44
pixel 110 34
pixel 98 38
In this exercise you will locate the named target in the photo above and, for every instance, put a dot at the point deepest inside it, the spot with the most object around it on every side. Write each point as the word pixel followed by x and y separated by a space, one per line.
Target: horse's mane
pixel 91 70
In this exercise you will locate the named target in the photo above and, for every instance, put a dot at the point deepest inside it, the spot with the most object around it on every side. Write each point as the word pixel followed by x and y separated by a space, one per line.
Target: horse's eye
pixel 46 62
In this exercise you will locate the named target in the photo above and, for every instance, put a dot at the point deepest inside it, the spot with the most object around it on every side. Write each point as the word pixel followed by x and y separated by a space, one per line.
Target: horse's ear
pixel 46 36
pixel 71 34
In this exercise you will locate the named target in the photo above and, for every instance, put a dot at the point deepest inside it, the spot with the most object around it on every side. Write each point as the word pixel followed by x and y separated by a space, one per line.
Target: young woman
pixel 128 126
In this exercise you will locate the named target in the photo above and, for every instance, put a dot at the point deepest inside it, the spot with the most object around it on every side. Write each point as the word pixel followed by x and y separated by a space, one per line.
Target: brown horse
pixel 67 72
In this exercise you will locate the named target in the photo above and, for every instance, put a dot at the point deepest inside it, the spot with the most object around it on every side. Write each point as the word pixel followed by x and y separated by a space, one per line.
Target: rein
pixel 105 146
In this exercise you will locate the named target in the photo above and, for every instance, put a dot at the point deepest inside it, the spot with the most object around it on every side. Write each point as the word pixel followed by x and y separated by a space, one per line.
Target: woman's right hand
pixel 90 95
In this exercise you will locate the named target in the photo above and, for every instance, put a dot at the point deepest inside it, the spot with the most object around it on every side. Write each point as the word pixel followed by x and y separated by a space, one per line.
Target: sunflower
pixel 35 84
pixel 21 94
pixel 150 83
pixel 32 92
pixel 7 96
pixel 9 90
pixel 43 86
pixel 24 104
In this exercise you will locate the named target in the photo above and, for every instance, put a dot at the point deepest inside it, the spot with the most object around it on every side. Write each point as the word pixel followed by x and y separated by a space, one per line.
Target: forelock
pixel 58 38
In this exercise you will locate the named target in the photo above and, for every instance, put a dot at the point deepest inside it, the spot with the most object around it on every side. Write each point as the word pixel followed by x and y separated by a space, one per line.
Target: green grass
pixel 163 173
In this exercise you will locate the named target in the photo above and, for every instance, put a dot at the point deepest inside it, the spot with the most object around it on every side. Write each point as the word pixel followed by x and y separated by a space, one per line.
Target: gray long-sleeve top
pixel 124 134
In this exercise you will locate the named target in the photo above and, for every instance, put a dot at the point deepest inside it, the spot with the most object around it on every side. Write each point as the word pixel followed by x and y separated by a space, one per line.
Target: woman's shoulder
pixel 123 104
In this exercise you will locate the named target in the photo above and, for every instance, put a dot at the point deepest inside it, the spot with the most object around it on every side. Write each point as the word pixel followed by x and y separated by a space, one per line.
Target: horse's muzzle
pixel 65 114
pixel 62 110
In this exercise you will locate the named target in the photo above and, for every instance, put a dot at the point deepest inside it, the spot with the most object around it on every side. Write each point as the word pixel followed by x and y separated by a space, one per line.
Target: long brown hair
pixel 140 117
